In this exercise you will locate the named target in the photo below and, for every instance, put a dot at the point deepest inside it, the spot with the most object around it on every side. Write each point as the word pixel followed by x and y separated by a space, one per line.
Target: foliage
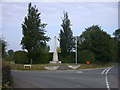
pixel 117 39
pixel 0 47
pixel 9 55
pixel 85 55
pixel 33 32
pixel 58 49
pixel 9 58
pixel 66 38
pixel 10 52
pixel 99 42
pixel 6 77
pixel 20 57
pixel 3 45
pixel 68 59
pixel 43 57
pixel 117 34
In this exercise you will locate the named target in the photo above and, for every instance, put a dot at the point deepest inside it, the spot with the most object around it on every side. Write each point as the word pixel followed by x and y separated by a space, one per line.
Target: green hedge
pixel 21 57
pixel 41 58
pixel 9 58
pixel 85 55
pixel 6 77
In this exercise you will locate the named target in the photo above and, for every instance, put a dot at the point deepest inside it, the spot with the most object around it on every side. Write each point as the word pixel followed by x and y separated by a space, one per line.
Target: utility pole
pixel 76 49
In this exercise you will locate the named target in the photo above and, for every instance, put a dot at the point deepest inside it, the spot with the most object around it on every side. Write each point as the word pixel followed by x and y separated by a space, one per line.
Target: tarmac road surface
pixel 83 78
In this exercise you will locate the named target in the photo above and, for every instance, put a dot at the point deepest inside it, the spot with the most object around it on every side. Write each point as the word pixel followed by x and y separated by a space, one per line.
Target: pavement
pixel 84 78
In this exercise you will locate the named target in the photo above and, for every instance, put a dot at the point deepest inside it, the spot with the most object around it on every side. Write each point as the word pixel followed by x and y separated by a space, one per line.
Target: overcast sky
pixel 81 14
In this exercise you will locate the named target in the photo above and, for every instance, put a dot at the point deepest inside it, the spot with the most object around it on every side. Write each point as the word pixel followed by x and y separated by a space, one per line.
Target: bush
pixel 9 58
pixel 41 55
pixel 21 57
pixel 67 59
pixel 85 55
pixel 45 57
pixel 41 58
pixel 6 77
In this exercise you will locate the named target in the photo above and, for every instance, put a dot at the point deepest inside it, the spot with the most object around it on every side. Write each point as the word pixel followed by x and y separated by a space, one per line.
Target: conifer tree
pixel 33 32
pixel 66 38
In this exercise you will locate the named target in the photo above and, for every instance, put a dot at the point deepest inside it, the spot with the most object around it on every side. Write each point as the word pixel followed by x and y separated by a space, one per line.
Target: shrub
pixel 45 57
pixel 67 59
pixel 9 58
pixel 85 55
pixel 41 58
pixel 21 57
pixel 6 77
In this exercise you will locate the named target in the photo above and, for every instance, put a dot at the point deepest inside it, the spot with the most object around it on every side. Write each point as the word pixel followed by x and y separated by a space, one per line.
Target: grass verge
pixel 41 66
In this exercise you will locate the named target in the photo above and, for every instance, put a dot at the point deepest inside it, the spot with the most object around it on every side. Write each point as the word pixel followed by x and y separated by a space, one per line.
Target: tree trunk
pixel 29 57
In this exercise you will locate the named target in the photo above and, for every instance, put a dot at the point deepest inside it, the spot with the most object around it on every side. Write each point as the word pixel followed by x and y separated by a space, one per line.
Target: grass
pixel 88 66
pixel 41 66
pixel 34 66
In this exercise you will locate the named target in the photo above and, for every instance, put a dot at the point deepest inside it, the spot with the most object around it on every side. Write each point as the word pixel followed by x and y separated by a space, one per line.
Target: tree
pixel 3 45
pixel 99 42
pixel 10 52
pixel 58 49
pixel 0 47
pixel 33 32
pixel 66 38
pixel 117 34
pixel 9 55
pixel 117 39
pixel 43 57
pixel 85 55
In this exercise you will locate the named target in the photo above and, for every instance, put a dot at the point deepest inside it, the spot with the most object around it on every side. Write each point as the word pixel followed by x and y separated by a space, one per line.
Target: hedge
pixel 6 77
pixel 86 55
pixel 21 57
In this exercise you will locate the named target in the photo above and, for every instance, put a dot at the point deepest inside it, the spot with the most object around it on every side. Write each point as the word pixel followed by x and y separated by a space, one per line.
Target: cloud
pixel 95 13
pixel 52 12
pixel 81 14
pixel 13 13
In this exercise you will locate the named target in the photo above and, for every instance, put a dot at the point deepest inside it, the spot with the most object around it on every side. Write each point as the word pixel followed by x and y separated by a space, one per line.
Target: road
pixel 84 78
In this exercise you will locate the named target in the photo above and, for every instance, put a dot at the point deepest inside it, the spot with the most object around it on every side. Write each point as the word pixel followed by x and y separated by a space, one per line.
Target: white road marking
pixel 104 70
pixel 107 83
pixel 108 70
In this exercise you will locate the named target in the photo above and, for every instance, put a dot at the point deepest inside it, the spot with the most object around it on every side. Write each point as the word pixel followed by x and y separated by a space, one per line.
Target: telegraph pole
pixel 76 49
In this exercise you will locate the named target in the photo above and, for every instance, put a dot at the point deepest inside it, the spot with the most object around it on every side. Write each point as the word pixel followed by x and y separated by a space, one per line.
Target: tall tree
pixel 117 34
pixel 66 38
pixel 99 42
pixel 33 32
pixel 10 52
pixel 3 45
pixel 117 39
